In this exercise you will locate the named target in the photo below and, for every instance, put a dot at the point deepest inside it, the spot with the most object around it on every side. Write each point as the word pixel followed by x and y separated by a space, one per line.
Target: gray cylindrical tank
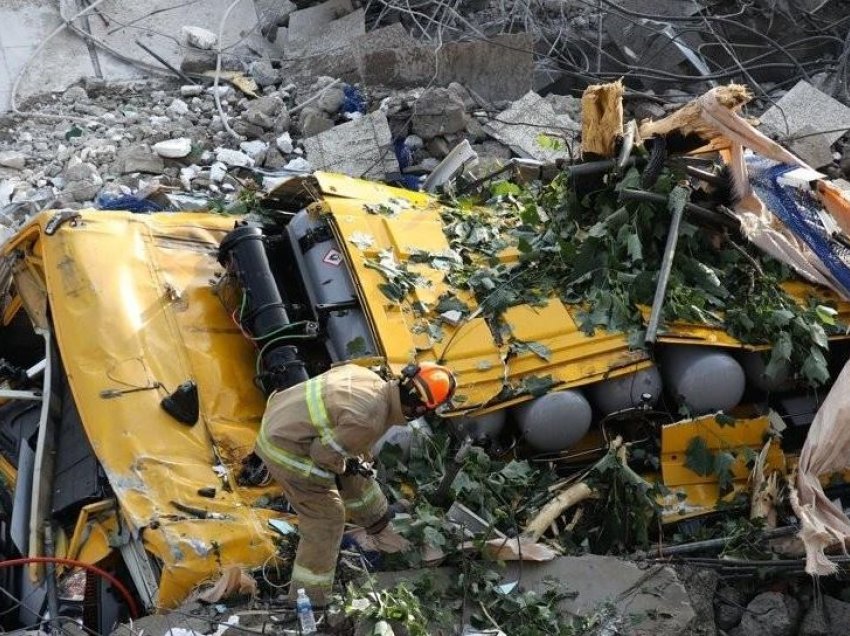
pixel 618 394
pixel 328 282
pixel 704 379
pixel 555 421
pixel 755 366
pixel 483 427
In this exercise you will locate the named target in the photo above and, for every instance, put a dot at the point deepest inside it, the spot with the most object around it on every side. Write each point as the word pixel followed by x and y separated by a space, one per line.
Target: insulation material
pixel 826 450
pixel 714 115
pixel 601 118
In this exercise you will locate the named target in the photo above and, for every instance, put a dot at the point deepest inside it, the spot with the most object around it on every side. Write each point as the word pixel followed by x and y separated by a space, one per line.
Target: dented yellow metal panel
pixel 132 306
pixel 694 494
pixel 470 348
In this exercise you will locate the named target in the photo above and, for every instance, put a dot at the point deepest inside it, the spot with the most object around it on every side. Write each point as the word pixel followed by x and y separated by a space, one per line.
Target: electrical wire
pixel 236 136
pixel 13 98
pixel 118 585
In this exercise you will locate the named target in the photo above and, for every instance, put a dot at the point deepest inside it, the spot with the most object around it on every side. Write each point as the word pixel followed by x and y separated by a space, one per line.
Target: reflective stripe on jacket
pixel 311 428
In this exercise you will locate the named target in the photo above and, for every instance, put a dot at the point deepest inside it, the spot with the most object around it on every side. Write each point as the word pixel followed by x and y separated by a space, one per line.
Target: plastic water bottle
pixel 304 609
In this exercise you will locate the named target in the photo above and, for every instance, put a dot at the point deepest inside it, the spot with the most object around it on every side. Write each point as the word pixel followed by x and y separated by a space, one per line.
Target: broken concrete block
pixel 729 604
pixel 273 13
pixel 390 57
pixel 177 108
pixel 82 180
pixel 284 143
pixel 173 148
pixel 255 149
pixel 312 21
pixel 197 61
pixel 838 613
pixel 199 38
pixel 299 164
pixel 499 69
pixel 532 129
pixel 771 614
pixel 331 100
pixel 264 111
pixel 335 35
pixel 231 157
pixel 139 159
pixel 314 122
pixel 438 112
pixel 361 148
pixel 264 73
pixel 191 90
pixel 804 105
pixel 13 159
pixel 814 148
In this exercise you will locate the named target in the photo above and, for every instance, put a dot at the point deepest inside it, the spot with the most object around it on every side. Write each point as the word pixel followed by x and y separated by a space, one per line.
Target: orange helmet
pixel 434 383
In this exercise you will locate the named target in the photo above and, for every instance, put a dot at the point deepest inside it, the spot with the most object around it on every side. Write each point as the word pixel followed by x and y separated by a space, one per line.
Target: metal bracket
pixel 59 219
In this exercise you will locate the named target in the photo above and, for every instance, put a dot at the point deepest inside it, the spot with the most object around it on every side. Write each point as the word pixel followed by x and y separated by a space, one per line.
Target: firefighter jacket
pixel 311 428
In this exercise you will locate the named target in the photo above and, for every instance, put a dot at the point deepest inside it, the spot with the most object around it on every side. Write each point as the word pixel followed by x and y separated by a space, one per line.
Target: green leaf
pixel 536 385
pixel 724 420
pixel 826 314
pixel 699 458
pixel 432 536
pixel 504 188
pixel 723 462
pixel 540 350
pixel 356 348
pixel 815 368
pixel 634 248
pixel 392 291
pixel 547 142
pixel 451 303
pixel 818 335
pixel 783 347
pixel 781 317
pixel 517 470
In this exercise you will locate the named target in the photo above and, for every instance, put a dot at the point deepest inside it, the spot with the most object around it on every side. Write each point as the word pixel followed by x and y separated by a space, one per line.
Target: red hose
pixel 118 585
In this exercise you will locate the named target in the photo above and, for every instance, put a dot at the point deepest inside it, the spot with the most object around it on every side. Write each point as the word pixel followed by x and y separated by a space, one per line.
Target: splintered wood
pixel 601 118
pixel 691 119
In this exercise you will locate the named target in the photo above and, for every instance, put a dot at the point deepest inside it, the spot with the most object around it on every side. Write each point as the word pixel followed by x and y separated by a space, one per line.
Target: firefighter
pixel 312 439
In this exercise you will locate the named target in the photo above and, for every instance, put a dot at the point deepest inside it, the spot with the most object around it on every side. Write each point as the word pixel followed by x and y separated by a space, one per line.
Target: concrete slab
pixel 335 35
pixel 501 69
pixel 650 599
pixel 161 32
pixel 64 61
pixel 532 129
pixel 273 13
pixel 312 21
pixel 815 149
pixel 391 57
pixel 361 148
pixel 804 105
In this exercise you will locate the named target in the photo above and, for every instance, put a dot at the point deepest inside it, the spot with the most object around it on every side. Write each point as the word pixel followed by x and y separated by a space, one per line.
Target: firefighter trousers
pixel 322 508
